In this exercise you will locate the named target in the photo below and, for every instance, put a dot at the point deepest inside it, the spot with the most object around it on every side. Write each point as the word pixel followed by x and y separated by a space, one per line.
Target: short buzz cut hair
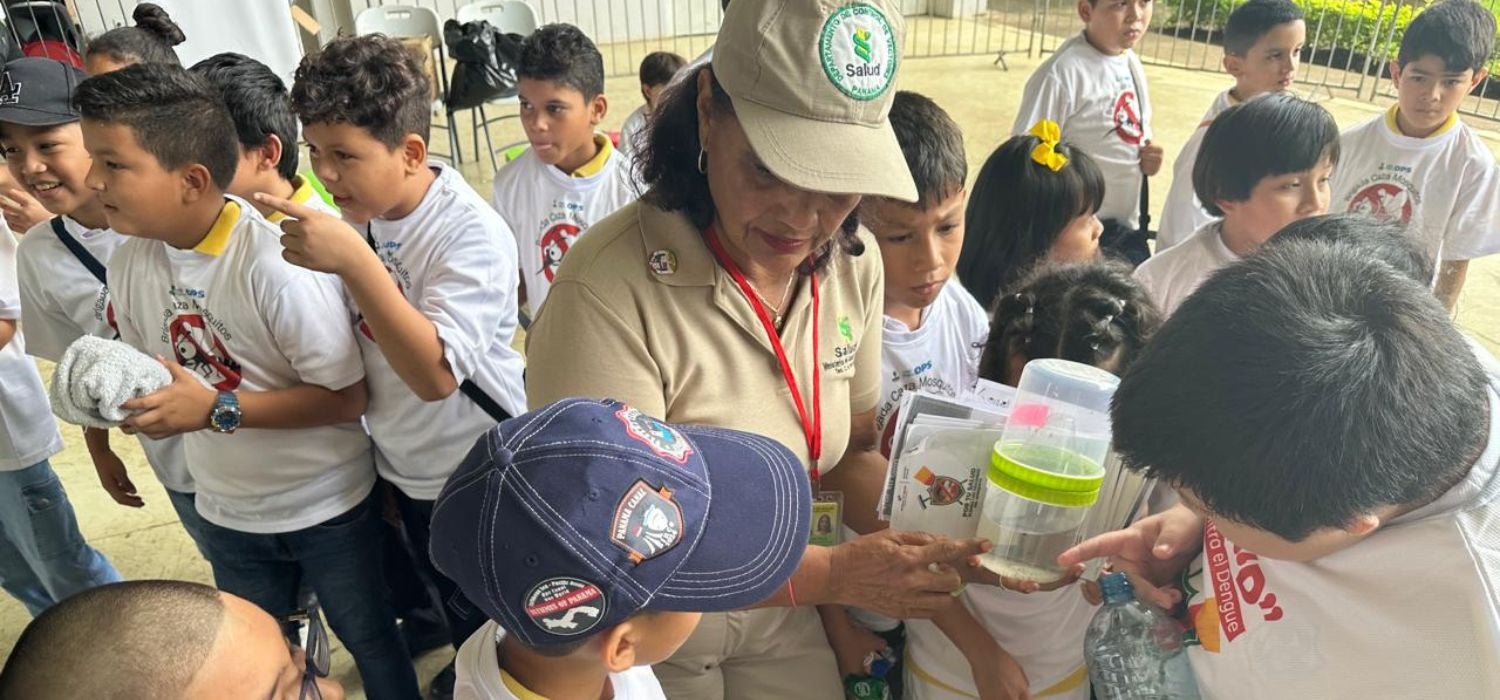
pixel 1381 240
pixel 1318 384
pixel 563 54
pixel 933 145
pixel 1461 32
pixel 135 640
pixel 258 103
pixel 1269 135
pixel 1252 20
pixel 176 116
pixel 372 82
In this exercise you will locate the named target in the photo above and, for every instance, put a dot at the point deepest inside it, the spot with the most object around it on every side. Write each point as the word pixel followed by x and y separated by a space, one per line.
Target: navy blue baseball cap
pixel 565 521
pixel 37 91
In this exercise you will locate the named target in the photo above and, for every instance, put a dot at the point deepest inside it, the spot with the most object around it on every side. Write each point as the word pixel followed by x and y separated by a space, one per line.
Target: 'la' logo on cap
pixel 10 91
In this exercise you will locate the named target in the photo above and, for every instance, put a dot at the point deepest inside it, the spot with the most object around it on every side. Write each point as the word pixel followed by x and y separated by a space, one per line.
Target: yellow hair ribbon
pixel 1045 152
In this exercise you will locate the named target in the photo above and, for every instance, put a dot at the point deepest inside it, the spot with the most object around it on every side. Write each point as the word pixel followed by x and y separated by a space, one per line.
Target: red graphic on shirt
pixel 109 317
pixel 555 243
pixel 199 350
pixel 1234 583
pixel 1383 201
pixel 1127 118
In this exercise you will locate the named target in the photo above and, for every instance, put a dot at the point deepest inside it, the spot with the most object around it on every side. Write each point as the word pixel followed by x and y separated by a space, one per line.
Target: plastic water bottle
pixel 1134 652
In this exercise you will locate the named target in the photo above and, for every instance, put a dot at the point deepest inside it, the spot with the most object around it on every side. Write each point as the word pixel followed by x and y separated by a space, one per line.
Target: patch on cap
pixel 565 606
pixel 10 91
pixel 647 522
pixel 858 51
pixel 658 436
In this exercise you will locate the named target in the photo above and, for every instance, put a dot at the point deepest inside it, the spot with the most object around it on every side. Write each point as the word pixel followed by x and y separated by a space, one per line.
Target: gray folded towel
pixel 96 375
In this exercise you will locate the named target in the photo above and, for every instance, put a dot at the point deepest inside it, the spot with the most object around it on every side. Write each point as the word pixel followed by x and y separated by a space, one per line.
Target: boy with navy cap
pixel 593 536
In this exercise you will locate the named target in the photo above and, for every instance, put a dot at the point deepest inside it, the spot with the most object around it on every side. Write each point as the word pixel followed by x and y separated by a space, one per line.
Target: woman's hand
pixel 1153 552
pixel 900 574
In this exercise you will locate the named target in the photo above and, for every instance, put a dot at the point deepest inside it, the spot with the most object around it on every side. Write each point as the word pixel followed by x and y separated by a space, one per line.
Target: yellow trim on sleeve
pixel 301 192
pixel 217 240
pixel 596 163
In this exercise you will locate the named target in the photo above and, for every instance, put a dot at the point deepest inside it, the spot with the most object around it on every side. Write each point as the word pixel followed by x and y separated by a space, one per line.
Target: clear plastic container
pixel 1047 469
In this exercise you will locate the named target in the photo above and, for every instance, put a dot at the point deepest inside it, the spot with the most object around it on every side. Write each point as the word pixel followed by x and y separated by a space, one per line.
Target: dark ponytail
pixel 150 40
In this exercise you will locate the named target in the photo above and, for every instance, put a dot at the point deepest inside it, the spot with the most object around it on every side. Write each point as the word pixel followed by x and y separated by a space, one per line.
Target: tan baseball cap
pixel 812 82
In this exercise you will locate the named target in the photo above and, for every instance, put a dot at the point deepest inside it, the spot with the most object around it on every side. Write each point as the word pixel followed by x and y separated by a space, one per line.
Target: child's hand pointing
pixel 317 240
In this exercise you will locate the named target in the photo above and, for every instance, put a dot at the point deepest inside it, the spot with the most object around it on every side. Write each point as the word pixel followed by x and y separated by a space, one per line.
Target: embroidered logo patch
pixel 858 51
pixel 663 262
pixel 566 606
pixel 10 91
pixel 658 436
pixel 647 522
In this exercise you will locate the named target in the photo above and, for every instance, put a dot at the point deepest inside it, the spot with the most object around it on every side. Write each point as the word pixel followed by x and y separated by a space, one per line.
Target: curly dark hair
pixel 149 41
pixel 176 116
pixel 1084 312
pixel 370 81
pixel 669 163
pixel 258 103
pixel 563 54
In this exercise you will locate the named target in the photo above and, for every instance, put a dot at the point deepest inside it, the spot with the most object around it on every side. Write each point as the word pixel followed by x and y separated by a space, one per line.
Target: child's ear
pixel 198 183
pixel 1479 77
pixel 1395 69
pixel 618 646
pixel 413 153
pixel 270 153
pixel 598 107
pixel 1362 524
pixel 1233 65
pixel 1085 10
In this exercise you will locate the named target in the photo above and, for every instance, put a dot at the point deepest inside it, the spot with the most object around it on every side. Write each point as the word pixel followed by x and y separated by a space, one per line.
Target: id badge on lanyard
pixel 828 506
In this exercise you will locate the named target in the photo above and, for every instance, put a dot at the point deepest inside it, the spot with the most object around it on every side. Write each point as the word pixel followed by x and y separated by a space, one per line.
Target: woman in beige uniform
pixel 740 293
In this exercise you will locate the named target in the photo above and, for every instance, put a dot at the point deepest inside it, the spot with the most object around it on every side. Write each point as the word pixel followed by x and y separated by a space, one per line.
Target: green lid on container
pixel 1071 481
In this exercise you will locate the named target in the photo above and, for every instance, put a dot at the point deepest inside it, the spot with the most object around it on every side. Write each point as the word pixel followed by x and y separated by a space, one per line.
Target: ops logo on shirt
pixel 555 243
pixel 199 350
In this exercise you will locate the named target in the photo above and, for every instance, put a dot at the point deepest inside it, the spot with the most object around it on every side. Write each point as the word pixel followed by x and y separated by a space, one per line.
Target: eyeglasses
pixel 305 629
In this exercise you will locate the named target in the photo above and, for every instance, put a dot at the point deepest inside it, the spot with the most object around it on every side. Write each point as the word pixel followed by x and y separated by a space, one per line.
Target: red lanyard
pixel 812 427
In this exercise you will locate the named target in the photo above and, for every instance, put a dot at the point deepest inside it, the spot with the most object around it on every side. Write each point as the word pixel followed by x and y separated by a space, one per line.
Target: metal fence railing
pixel 1349 42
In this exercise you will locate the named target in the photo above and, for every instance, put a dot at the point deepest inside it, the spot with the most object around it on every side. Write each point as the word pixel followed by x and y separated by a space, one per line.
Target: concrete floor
pixel 148 543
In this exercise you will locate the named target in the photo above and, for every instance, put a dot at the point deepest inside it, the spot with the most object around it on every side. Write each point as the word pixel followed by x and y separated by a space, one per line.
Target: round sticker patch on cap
pixel 858 51
pixel 565 606
pixel 658 436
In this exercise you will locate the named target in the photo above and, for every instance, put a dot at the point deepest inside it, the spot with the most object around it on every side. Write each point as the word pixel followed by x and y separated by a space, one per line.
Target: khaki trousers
pixel 768 654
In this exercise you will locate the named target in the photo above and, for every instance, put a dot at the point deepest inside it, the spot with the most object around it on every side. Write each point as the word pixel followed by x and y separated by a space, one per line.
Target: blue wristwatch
pixel 225 418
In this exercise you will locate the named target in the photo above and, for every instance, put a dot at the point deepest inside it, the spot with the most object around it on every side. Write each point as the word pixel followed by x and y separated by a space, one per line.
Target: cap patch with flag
pixel 858 51
pixel 647 522
pixel 566 606
pixel 662 440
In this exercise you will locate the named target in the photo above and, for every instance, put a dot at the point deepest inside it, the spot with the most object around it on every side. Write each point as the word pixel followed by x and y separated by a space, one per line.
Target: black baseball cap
pixel 37 91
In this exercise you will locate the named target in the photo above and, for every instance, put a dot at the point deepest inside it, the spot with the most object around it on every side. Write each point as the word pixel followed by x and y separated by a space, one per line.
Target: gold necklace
pixel 776 308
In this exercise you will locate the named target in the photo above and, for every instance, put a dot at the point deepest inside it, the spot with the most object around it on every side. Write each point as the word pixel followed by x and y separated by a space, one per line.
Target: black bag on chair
pixel 485 63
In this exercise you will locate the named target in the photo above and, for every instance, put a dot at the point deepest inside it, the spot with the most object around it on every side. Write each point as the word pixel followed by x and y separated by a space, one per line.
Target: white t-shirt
pixel 1170 276
pixel 478 675
pixel 242 318
pixel 28 434
pixel 454 260
pixel 1093 98
pixel 1043 632
pixel 940 357
pixel 1445 188
pixel 1182 214
pixel 633 133
pixel 549 209
pixel 1412 611
pixel 61 301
